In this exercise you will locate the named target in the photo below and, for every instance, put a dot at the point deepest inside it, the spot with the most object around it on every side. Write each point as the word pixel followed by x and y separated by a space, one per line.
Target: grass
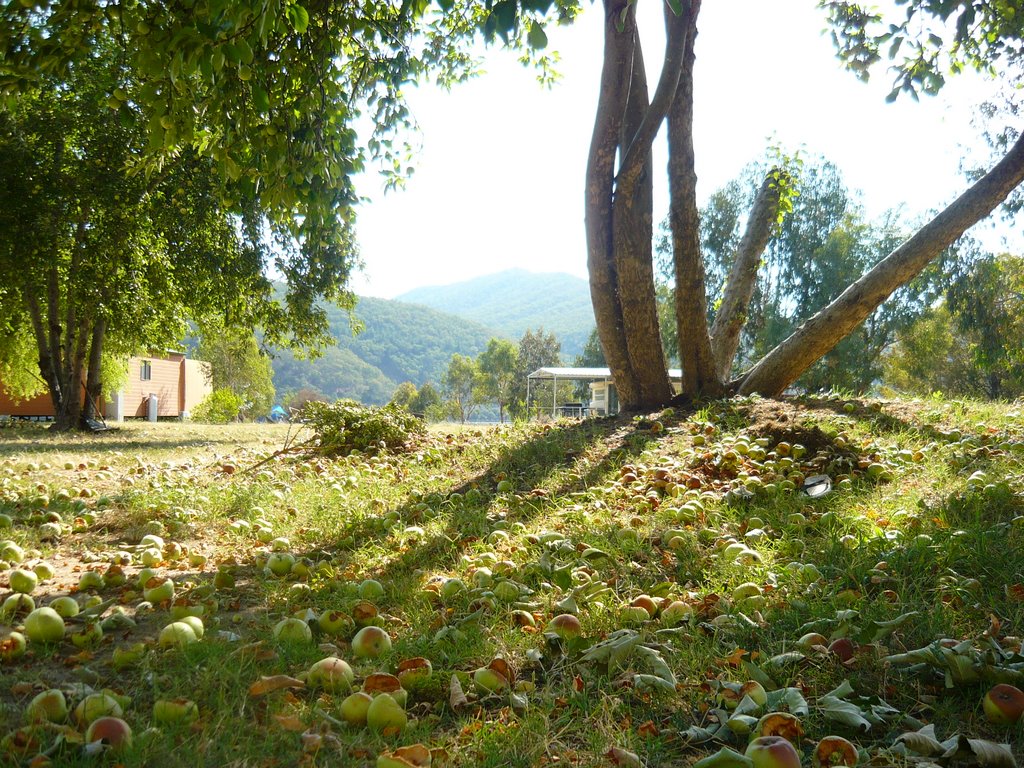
pixel 599 514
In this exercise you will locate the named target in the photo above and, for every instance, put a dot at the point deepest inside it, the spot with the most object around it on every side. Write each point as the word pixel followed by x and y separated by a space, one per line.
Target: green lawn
pixel 464 548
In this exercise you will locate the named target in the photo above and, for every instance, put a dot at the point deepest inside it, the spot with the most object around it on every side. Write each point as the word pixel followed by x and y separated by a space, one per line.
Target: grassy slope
pixel 924 541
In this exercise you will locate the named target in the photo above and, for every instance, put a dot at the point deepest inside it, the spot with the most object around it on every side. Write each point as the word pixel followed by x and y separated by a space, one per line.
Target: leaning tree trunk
pixel 818 335
pixel 739 287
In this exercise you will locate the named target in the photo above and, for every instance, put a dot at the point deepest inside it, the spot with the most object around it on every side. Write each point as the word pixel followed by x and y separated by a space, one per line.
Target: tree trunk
pixel 600 185
pixel 739 288
pixel 695 355
pixel 784 364
pixel 633 235
pixel 93 380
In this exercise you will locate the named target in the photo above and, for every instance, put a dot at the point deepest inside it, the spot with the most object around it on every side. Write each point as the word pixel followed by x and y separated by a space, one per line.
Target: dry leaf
pixel 290 723
pixel 267 684
pixel 455 695
pixel 623 757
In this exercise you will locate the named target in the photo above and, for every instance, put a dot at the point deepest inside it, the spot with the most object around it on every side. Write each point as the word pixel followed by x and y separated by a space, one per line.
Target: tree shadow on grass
pixel 473 504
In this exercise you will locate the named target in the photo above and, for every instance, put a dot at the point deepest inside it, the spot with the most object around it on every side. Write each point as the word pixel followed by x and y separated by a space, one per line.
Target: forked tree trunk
pixel 818 335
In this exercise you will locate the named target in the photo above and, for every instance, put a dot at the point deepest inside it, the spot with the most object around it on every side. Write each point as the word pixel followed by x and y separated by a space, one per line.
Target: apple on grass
pixel 44 625
pixel 384 713
pixel 773 752
pixel 370 642
pixel 353 709
pixel 293 630
pixel 332 674
pixel 50 706
pixel 1004 704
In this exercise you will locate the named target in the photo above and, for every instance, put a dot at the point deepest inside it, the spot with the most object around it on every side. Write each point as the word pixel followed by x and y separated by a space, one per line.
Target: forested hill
pixel 400 342
pixel 516 300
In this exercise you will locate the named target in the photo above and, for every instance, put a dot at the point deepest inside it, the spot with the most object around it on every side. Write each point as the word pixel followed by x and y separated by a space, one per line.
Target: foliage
pixel 497 366
pixel 969 344
pixel 297 399
pixel 931 39
pixel 404 395
pixel 221 406
pixel 536 350
pixel 463 387
pixel 237 363
pixel 427 402
pixel 346 426
pixel 820 247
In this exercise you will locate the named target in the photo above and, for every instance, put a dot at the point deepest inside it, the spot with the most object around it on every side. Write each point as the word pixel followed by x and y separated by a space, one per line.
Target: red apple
pixel 773 752
pixel 371 641
pixel 1004 704
pixel 566 626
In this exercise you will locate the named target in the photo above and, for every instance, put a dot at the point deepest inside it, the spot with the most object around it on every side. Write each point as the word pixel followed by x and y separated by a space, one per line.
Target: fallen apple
pixel 773 752
pixel 16 606
pixel 44 625
pixel 88 636
pixel 51 706
pixel 332 674
pixel 334 622
pixel 97 705
pixel 832 751
pixel 384 713
pixel 66 606
pixel 197 625
pixel 370 642
pixel 173 711
pixel 371 589
pixel 353 708
pixel 177 634
pixel 158 589
pixel 23 581
pixel 292 630
pixel 12 646
pixel 566 626
pixel 489 680
pixel 1004 704
pixel 110 730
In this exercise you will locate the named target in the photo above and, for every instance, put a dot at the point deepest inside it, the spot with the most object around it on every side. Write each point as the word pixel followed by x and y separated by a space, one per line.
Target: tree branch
pixel 638 149
pixel 784 364
pixel 732 314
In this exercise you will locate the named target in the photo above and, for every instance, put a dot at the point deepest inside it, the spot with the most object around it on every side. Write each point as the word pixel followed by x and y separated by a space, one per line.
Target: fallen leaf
pixel 290 723
pixel 620 756
pixel 456 697
pixel 267 684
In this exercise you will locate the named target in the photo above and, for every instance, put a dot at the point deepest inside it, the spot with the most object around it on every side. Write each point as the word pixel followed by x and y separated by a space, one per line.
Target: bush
pixel 346 426
pixel 219 407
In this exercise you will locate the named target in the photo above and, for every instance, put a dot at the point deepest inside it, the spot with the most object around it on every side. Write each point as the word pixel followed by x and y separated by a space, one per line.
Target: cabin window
pixel 598 395
pixel 146 371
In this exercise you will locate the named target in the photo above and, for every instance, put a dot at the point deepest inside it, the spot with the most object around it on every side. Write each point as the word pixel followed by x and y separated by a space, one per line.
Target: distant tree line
pixel 497 377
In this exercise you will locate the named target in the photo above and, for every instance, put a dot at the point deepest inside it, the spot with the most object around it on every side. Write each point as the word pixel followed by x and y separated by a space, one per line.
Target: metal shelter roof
pixel 579 374
pixel 584 374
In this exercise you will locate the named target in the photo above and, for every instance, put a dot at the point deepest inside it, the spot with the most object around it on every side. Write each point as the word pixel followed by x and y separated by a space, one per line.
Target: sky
pixel 499 179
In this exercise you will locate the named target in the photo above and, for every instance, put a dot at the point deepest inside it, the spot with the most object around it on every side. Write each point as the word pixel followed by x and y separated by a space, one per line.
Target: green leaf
pixel 676 6
pixel 260 99
pixel 299 17
pixel 537 37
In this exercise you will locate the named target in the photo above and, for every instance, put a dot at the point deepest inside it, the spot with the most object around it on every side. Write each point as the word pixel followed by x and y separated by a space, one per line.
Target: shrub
pixel 219 407
pixel 346 426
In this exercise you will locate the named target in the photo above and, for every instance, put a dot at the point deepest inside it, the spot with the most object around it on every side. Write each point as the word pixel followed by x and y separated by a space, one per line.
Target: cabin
pixel 165 385
pixel 603 401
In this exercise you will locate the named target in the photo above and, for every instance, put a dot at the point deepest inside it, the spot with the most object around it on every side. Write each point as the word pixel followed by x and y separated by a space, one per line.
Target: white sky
pixel 499 181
